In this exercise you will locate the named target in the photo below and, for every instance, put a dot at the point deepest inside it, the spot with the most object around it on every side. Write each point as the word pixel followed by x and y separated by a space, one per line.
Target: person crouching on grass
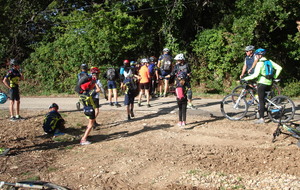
pixel 89 106
pixel 181 97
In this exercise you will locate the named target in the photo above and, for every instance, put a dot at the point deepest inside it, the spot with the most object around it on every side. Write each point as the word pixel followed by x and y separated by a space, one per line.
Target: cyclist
pixel 112 75
pixel 144 83
pixel 183 66
pixel 84 72
pixel 53 123
pixel 250 61
pixel 11 81
pixel 263 83
pixel 165 65
pixel 153 70
pixel 95 73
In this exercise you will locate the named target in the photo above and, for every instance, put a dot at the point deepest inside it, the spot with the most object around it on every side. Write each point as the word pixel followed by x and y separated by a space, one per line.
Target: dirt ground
pixel 150 152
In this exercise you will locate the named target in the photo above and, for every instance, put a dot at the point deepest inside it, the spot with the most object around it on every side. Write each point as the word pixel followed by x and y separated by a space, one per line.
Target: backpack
pixel 111 74
pixel 269 70
pixel 151 68
pixel 133 87
pixel 166 63
pixel 52 121
pixel 84 79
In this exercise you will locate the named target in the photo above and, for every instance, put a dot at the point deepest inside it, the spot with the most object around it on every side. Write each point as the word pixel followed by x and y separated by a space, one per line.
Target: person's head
pixel 84 67
pixel 152 59
pixel 14 63
pixel 166 50
pixel 260 52
pixel 144 61
pixel 179 58
pixel 53 107
pixel 249 50
pixel 132 63
pixel 95 72
pixel 126 63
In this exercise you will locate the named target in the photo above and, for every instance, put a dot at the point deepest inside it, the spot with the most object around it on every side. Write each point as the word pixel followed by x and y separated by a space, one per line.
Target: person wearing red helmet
pixel 95 73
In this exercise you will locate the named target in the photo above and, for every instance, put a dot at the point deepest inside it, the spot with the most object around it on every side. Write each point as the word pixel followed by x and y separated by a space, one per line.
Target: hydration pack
pixel 166 63
pixel 84 79
pixel 269 70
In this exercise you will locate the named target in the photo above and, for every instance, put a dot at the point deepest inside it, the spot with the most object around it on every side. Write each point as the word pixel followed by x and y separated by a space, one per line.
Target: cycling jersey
pixel 14 76
pixel 259 72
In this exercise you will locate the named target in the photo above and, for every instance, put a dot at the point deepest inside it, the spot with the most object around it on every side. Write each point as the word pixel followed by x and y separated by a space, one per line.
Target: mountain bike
pixel 30 185
pixel 292 129
pixel 235 106
pixel 253 87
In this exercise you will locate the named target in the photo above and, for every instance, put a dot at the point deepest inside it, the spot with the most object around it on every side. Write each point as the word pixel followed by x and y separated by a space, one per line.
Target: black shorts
pixel 89 112
pixel 96 102
pixel 145 86
pixel 129 99
pixel 14 94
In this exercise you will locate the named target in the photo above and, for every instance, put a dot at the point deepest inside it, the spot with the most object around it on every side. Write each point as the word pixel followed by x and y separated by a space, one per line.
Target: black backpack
pixel 166 63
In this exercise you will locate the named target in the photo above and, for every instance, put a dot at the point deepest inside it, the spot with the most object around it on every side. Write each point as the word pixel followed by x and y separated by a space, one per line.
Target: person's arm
pixel 256 72
pixel 243 70
pixel 253 65
pixel 277 67
pixel 5 82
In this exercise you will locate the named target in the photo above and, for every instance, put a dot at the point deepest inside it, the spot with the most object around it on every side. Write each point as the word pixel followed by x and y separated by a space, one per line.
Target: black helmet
pixel 84 66
pixel 53 105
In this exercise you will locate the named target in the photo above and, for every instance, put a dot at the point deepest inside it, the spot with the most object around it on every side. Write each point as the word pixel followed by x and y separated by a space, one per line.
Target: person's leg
pixel 87 132
pixel 115 95
pixel 11 108
pixel 147 96
pixel 131 108
pixel 166 90
pixel 110 95
pixel 184 107
pixel 179 112
pixel 261 89
pixel 18 108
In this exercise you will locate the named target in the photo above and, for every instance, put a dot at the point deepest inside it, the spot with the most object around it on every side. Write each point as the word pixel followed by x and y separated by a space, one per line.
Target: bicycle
pixel 293 130
pixel 235 107
pixel 30 185
pixel 275 89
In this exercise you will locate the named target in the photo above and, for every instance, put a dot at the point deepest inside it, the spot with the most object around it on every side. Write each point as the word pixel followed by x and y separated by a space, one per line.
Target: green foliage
pixel 291 88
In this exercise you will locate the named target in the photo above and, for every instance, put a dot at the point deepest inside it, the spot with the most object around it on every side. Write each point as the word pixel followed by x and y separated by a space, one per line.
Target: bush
pixel 292 89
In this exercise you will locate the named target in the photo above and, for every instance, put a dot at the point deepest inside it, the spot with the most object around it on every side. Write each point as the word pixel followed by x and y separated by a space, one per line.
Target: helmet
pixel 249 48
pixel 3 98
pixel 95 70
pixel 166 50
pixel 53 105
pixel 13 62
pixel 84 66
pixel 126 62
pixel 144 60
pixel 182 75
pixel 132 63
pixel 179 57
pixel 152 59
pixel 260 51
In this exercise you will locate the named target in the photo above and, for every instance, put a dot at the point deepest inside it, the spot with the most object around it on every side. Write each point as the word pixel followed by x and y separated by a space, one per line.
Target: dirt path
pixel 150 152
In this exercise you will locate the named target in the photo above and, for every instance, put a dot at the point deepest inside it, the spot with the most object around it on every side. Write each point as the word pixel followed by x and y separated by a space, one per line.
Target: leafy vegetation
pixel 54 37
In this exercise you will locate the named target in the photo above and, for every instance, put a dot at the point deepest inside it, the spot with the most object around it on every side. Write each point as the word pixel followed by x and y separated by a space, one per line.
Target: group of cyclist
pixel 254 69
pixel 150 77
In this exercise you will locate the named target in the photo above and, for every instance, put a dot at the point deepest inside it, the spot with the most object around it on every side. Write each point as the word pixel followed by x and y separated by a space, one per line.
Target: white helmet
pixel 179 57
pixel 166 50
pixel 144 60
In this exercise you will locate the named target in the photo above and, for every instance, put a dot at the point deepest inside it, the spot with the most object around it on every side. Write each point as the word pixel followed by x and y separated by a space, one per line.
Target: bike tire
pixel 231 110
pixel 46 185
pixel 274 112
pixel 247 95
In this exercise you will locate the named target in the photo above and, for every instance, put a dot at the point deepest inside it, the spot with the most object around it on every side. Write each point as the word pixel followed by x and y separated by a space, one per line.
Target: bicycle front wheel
pixel 233 107
pixel 274 109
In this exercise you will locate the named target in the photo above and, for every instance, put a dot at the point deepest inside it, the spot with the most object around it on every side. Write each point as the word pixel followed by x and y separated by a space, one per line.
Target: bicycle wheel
pixel 44 185
pixel 233 107
pixel 276 104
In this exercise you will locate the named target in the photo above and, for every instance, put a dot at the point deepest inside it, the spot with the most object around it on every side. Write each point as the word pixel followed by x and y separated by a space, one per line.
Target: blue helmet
pixel 260 51
pixel 3 98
